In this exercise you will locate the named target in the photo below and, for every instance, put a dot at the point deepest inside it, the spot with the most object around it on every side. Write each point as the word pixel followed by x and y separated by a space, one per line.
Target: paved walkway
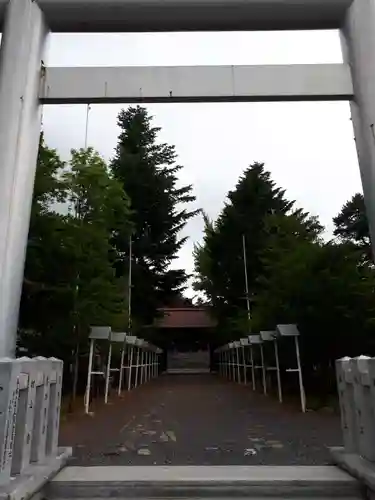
pixel 199 420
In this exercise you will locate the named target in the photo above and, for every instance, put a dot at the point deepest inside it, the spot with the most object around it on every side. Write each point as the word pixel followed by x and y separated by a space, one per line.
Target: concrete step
pixel 217 482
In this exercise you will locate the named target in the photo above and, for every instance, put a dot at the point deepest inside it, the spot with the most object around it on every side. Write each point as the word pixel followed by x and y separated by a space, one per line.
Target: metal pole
pixel 108 373
pixel 278 371
pixel 130 368
pixel 263 370
pixel 89 370
pixel 21 55
pixel 246 283
pixel 130 285
pixel 300 379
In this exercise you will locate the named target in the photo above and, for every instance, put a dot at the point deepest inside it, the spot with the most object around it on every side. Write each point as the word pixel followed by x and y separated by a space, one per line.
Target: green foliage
pixel 147 171
pixel 294 277
pixel 70 280
pixel 351 225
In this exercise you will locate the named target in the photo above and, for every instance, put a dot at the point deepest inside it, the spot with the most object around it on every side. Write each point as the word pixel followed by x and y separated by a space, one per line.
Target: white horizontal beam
pixel 189 15
pixel 196 84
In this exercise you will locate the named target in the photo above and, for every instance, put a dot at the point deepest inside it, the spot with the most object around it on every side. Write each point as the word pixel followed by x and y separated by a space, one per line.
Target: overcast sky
pixel 308 147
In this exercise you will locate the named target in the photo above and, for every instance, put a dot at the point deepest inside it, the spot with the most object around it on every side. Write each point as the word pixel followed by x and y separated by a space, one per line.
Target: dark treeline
pixel 84 213
pixel 294 274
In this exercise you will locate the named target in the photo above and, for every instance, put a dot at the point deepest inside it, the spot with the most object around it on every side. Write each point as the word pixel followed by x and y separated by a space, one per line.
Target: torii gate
pixel 25 84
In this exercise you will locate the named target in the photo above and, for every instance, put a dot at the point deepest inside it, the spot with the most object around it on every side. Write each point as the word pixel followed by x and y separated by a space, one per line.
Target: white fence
pixel 30 399
pixel 139 363
pixel 245 359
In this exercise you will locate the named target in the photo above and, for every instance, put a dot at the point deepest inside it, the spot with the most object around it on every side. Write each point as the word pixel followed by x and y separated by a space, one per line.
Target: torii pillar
pixel 22 46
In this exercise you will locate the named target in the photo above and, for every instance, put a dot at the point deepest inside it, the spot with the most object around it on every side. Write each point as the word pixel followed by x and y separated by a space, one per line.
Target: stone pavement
pixel 199 420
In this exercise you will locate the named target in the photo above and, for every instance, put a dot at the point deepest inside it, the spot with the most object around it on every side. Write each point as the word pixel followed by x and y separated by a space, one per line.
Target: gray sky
pixel 308 147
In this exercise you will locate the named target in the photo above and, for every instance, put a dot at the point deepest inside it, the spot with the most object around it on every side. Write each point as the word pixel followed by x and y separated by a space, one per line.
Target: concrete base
pixel 31 482
pixel 202 482
pixel 361 469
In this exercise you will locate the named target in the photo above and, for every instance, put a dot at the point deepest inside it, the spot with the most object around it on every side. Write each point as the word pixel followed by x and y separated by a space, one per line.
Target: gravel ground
pixel 199 420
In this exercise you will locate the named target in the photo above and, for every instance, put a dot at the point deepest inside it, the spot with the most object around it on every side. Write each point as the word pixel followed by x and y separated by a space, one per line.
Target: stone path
pixel 199 420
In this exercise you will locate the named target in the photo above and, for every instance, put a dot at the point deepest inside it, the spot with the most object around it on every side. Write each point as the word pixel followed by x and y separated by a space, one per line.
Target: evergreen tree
pixel 351 225
pixel 147 171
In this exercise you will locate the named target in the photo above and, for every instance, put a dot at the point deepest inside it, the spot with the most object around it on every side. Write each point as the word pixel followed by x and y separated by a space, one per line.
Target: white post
pixel 21 55
pixel 263 370
pixel 130 368
pixel 136 368
pixel 122 367
pixel 279 390
pixel 142 366
pixel 108 372
pixel 358 43
pixel 89 371
pixel 238 364
pixel 300 378
pixel 252 368
pixel 244 364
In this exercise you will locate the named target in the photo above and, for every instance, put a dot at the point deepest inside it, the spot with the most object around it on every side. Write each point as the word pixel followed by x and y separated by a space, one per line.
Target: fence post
pixel 364 407
pixel 347 405
pixel 38 443
pixel 9 392
pixel 54 406
pixel 25 416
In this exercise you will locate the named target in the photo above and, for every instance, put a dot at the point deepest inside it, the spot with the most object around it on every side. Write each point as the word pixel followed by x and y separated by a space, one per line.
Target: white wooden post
pixel 300 379
pixel 263 369
pixel 292 331
pixel 142 366
pixel 130 365
pixel 253 381
pixel 279 389
pixel 103 334
pixel 122 367
pixel 237 347
pixel 244 343
pixel 136 367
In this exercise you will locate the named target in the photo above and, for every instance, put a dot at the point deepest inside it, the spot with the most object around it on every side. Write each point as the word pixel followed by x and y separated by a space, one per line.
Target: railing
pixel 30 399
pixel 356 387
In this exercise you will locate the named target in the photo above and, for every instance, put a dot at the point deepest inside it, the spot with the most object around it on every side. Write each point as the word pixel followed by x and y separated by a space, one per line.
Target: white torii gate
pixel 25 83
